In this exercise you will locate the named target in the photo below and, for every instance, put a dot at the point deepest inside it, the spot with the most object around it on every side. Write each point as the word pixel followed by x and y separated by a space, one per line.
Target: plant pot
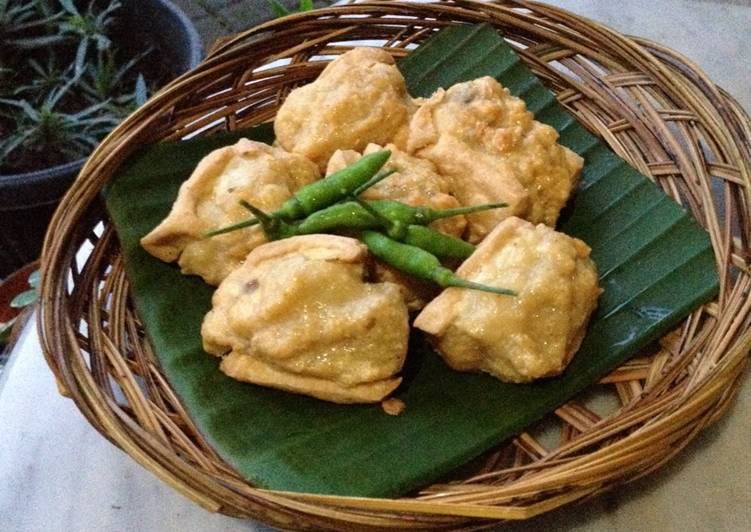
pixel 13 285
pixel 28 200
pixel 10 287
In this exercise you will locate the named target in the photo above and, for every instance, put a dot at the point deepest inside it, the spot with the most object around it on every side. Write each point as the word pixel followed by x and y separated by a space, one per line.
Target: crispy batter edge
pixel 250 369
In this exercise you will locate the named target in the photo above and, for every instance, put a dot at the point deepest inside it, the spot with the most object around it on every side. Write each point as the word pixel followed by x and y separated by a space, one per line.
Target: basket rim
pixel 711 394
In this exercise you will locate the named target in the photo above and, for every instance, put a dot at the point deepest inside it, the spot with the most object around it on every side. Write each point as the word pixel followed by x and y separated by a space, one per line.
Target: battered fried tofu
pixel 522 338
pixel 493 150
pixel 416 293
pixel 359 98
pixel 298 316
pixel 415 182
pixel 209 199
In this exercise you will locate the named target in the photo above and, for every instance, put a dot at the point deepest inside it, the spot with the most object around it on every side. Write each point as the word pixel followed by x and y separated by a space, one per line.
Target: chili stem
pixel 229 228
pixel 432 215
pixel 373 181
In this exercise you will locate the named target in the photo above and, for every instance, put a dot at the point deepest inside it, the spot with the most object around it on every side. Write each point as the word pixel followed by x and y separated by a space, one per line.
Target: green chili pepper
pixel 437 243
pixel 408 258
pixel 347 215
pixel 352 215
pixel 333 188
pixel 423 215
pixel 432 241
pixel 402 222
pixel 323 193
pixel 274 228
pixel 420 264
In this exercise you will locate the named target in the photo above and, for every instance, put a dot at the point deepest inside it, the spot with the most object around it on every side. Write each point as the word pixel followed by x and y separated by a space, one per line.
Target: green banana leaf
pixel 656 265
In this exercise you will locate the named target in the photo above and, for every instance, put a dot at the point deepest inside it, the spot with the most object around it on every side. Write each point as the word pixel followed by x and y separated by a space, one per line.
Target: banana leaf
pixel 656 266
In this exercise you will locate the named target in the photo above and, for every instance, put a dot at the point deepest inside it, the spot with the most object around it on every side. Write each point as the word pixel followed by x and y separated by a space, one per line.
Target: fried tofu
pixel 209 199
pixel 516 338
pixel 489 145
pixel 359 98
pixel 298 316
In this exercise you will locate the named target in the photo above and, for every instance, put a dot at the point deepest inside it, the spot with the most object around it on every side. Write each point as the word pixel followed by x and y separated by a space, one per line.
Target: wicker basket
pixel 653 107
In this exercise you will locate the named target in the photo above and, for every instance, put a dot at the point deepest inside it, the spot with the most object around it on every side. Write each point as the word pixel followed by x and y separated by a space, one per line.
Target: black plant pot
pixel 27 201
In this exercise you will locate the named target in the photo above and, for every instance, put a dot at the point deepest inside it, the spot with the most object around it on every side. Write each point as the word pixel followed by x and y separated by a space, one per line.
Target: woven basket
pixel 656 110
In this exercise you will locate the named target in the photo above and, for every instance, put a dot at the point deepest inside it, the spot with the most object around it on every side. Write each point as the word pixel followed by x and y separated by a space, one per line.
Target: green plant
pixel 90 28
pixel 22 22
pixel 66 82
pixel 50 135
pixel 47 77
pixel 103 78
pixel 280 10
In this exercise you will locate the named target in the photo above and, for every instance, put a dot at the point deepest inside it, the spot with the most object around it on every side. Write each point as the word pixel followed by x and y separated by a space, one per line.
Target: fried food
pixel 532 335
pixel 493 150
pixel 249 170
pixel 415 182
pixel 416 293
pixel 298 316
pixel 359 98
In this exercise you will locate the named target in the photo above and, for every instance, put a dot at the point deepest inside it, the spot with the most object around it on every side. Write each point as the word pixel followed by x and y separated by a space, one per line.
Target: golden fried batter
pixel 520 338
pixel 491 147
pixel 297 316
pixel 249 170
pixel 359 98
pixel 416 293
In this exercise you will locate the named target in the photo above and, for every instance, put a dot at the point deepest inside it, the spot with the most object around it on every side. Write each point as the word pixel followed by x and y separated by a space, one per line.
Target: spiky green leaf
pixel 24 299
pixel 278 9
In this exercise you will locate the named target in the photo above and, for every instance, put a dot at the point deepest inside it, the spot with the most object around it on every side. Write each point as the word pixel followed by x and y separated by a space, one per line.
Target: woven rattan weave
pixel 654 108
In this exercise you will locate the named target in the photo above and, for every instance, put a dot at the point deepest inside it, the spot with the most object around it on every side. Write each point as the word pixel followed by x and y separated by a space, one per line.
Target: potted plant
pixel 19 293
pixel 70 71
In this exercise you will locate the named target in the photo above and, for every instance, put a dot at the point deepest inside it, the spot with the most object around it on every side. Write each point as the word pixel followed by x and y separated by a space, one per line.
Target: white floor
pixel 713 34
